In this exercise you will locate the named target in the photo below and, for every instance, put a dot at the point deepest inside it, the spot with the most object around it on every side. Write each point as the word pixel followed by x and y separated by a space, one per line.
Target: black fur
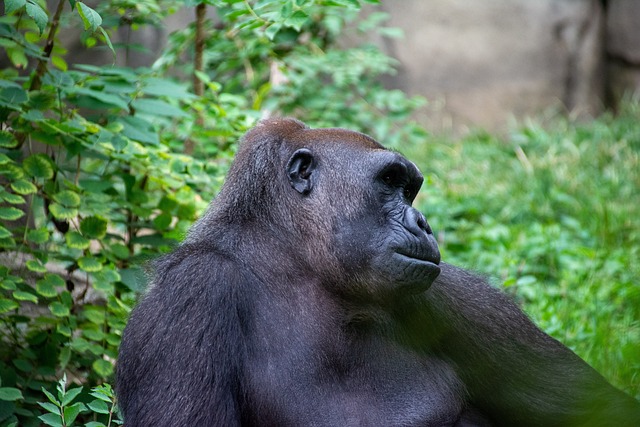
pixel 311 293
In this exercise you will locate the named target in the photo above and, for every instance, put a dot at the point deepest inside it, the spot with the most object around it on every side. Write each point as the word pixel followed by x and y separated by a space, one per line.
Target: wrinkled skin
pixel 311 293
pixel 387 238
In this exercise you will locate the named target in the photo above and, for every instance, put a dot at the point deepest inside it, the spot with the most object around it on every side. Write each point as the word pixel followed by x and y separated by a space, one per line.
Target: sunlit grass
pixel 553 214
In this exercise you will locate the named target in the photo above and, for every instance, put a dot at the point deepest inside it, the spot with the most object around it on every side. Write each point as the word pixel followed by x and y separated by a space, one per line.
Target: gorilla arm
pixel 515 373
pixel 182 352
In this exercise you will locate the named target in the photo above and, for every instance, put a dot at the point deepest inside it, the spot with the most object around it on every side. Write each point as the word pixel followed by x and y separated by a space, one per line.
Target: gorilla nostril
pixel 424 225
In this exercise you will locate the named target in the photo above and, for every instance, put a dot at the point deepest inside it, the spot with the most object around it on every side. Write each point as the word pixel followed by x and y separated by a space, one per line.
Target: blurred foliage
pixel 553 213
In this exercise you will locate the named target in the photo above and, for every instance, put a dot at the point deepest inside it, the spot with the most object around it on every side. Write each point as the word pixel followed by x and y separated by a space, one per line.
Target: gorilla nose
pixel 416 222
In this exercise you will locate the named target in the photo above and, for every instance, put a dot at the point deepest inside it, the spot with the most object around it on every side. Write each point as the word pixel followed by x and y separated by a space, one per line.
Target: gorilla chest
pixel 373 385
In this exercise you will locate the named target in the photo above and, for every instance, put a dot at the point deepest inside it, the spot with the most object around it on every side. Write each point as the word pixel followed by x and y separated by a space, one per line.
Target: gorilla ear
pixel 300 170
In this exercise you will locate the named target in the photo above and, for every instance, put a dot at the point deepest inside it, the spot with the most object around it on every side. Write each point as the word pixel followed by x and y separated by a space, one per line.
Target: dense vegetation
pixel 104 167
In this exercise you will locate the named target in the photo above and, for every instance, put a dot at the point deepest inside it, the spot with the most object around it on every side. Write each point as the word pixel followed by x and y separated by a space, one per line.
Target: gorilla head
pixel 339 201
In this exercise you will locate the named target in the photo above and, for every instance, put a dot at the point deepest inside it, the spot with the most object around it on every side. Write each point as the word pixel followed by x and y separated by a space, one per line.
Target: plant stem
pixel 48 48
pixel 198 66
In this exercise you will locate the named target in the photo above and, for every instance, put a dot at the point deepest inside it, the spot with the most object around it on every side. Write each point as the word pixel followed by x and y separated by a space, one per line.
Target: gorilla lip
pixel 430 260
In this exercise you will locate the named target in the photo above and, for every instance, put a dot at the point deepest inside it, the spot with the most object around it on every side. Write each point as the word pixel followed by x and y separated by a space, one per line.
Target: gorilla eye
pixel 394 175
pixel 388 179
pixel 407 193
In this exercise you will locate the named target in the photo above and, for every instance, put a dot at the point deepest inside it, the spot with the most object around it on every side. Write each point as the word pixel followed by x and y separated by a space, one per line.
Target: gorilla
pixel 311 293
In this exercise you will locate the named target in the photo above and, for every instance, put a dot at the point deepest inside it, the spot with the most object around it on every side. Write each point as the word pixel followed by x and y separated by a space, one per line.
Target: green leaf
pixel 14 96
pixel 297 20
pixel 14 199
pixel 7 305
pixel 47 286
pixel 99 407
pixel 90 17
pixel 4 233
pixel 25 296
pixel 272 30
pixel 23 365
pixel 33 116
pixel 38 166
pixel 94 185
pixel 102 367
pixel 59 62
pixel 35 265
pixel 38 236
pixel 70 395
pixel 110 99
pixel 93 227
pixel 58 309
pixel 38 15
pixel 162 221
pixel 165 87
pixel 89 264
pixel 107 275
pixel 94 314
pixel 157 107
pixel 10 393
pixel 24 187
pixel 50 396
pixel 49 407
pixel 10 213
pixel 120 251
pixel 107 40
pixel 7 140
pixel 62 212
pixel 140 130
pixel 4 159
pixel 67 198
pixel 9 285
pixel 7 243
pixel 13 5
pixel 76 240
pixel 134 278
pixel 71 412
pixel 93 334
pixel 65 355
pixel 53 420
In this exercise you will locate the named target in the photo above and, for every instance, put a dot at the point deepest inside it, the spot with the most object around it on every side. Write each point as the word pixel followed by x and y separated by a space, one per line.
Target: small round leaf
pixel 76 240
pixel 7 140
pixel 93 227
pixel 58 309
pixel 25 296
pixel 39 166
pixel 24 187
pixel 38 236
pixel 89 264
pixel 102 367
pixel 62 212
pixel 67 198
pixel 10 213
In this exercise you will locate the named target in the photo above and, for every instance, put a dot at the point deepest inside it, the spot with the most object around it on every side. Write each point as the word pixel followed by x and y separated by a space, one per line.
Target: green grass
pixel 553 214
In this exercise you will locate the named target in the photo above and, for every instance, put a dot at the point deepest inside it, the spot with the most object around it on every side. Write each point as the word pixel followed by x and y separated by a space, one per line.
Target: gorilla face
pixel 383 244
pixel 403 249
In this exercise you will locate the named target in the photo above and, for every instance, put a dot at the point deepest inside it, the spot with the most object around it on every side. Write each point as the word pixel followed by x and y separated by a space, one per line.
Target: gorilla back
pixel 312 293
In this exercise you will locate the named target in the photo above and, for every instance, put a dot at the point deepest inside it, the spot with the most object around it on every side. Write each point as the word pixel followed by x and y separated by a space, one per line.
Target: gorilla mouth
pixel 429 259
